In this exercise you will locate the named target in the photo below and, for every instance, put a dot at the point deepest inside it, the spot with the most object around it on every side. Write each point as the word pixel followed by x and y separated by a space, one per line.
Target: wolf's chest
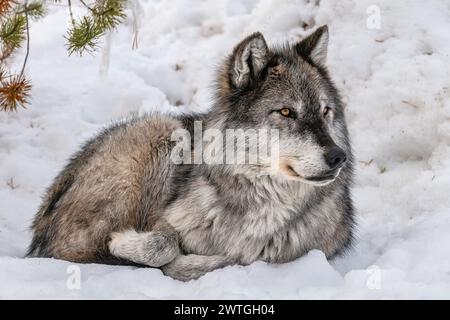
pixel 262 233
pixel 276 229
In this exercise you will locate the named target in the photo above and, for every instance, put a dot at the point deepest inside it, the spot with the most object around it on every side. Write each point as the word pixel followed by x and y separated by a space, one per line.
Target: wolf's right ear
pixel 315 46
pixel 247 60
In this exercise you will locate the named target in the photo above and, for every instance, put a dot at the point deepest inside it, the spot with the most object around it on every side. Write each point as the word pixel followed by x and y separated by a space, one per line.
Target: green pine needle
pixel 84 36
pixel 104 16
pixel 12 31
pixel 108 14
pixel 35 9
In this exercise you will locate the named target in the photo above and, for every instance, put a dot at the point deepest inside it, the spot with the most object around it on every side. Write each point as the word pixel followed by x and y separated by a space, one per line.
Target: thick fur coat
pixel 122 200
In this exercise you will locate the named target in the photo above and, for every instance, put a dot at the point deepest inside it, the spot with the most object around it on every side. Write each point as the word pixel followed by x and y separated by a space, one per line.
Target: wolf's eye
pixel 326 111
pixel 285 112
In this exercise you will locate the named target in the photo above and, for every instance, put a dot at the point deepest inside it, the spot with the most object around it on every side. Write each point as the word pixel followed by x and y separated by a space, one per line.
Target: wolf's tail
pixel 42 223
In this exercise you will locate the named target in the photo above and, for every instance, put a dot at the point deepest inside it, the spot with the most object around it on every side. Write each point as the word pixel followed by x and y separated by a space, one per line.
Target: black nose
pixel 335 157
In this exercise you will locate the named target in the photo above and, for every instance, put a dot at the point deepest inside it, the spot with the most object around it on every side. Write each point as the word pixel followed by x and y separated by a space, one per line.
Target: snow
pixel 395 81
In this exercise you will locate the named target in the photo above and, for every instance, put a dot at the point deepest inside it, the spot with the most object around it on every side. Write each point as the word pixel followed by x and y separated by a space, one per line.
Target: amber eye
pixel 326 111
pixel 285 112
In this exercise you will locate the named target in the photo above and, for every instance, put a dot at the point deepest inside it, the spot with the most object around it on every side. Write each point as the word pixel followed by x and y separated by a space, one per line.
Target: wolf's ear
pixel 247 60
pixel 314 47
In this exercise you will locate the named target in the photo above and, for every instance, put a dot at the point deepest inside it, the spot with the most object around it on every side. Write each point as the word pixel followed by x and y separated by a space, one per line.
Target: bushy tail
pixel 42 224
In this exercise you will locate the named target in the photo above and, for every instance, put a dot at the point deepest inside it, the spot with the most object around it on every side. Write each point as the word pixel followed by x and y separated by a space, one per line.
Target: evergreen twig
pixel 14 29
pixel 72 20
pixel 85 34
pixel 84 4
pixel 28 39
pixel 5 6
pixel 14 92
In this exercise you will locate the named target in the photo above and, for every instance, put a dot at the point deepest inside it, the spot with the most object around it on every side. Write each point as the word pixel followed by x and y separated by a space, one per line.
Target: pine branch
pixel 27 27
pixel 84 4
pixel 6 6
pixel 15 89
pixel 12 31
pixel 72 20
pixel 109 13
pixel 35 9
pixel 85 34
pixel 14 92
pixel 5 53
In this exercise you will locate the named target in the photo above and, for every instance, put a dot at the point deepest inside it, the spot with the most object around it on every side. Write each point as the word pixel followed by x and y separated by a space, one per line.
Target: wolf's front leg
pixel 192 266
pixel 155 248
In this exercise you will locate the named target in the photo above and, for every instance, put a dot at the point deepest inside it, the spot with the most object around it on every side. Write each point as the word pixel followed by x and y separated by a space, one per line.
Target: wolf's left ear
pixel 247 60
pixel 314 47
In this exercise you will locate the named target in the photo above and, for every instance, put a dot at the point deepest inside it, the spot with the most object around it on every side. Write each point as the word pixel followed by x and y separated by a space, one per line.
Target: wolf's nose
pixel 335 157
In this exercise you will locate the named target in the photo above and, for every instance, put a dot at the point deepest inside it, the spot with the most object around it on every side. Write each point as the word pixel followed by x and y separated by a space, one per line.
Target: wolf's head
pixel 287 88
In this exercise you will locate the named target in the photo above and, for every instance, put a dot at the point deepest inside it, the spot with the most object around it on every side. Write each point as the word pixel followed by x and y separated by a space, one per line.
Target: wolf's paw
pixel 150 248
pixel 122 242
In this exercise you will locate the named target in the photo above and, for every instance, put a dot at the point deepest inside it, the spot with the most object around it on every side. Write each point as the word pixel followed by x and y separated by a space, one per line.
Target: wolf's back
pixel 123 173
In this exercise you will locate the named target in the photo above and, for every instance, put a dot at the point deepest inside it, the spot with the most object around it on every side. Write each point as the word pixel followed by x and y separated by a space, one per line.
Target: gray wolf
pixel 121 200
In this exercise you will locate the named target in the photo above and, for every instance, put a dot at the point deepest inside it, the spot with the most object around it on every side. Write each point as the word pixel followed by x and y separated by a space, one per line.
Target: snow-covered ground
pixel 395 80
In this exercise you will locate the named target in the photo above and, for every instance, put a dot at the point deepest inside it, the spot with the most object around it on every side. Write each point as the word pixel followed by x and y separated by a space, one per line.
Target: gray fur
pixel 192 266
pixel 121 199
pixel 254 49
pixel 154 248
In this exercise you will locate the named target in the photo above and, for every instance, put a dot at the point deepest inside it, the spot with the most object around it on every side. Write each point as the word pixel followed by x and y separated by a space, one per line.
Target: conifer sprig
pixel 85 34
pixel 12 31
pixel 34 9
pixel 5 6
pixel 15 88
pixel 14 92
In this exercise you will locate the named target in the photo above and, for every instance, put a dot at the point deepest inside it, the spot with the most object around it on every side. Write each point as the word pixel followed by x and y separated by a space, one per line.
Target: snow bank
pixel 396 84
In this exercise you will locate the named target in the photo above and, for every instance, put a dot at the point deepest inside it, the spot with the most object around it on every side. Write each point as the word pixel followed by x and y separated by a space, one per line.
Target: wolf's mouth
pixel 324 179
